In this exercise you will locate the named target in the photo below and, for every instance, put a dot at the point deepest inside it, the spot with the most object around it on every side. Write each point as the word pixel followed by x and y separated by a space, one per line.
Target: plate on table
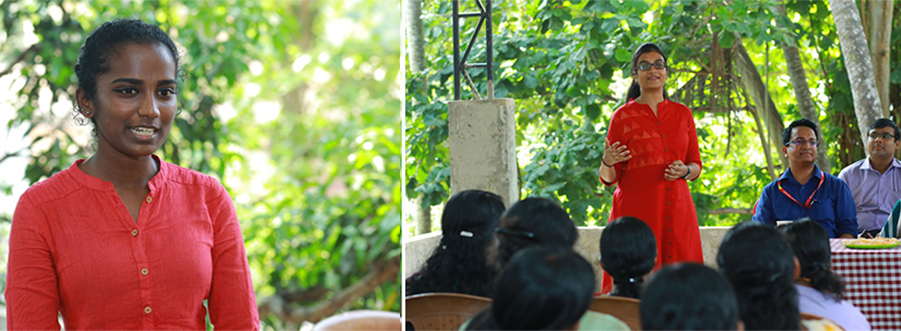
pixel 874 243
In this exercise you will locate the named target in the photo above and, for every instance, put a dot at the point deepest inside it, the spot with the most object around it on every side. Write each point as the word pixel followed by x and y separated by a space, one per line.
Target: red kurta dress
pixel 642 191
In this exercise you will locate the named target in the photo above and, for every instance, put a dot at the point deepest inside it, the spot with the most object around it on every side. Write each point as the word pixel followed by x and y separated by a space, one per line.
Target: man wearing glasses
pixel 806 191
pixel 875 181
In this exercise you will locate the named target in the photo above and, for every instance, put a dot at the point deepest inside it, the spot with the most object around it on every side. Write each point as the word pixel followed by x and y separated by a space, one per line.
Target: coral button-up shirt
pixel 75 250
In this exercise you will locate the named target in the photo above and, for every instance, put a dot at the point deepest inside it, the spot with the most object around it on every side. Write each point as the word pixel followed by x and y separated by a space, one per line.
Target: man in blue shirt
pixel 806 191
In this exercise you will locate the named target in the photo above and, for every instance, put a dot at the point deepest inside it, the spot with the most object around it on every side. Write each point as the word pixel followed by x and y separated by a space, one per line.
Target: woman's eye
pixel 128 91
pixel 166 92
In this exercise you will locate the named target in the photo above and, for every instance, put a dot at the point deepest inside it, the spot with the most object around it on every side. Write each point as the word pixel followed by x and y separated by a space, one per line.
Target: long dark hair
pixel 810 242
pixel 635 89
pixel 628 251
pixel 688 296
pixel 543 288
pixel 458 264
pixel 760 265
pixel 531 222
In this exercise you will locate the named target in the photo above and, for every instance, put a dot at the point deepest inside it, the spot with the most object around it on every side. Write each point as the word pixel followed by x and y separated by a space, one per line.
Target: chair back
pixel 361 320
pixel 625 309
pixel 442 311
pixel 819 322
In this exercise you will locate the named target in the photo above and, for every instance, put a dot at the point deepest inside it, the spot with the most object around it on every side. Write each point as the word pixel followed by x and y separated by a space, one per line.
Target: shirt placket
pixel 142 266
pixel 669 197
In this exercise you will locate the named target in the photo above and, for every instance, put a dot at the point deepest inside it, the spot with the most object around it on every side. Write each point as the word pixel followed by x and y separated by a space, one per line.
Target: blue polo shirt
pixel 832 205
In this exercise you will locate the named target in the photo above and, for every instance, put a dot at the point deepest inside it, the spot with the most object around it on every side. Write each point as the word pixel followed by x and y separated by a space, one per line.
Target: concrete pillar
pixel 482 143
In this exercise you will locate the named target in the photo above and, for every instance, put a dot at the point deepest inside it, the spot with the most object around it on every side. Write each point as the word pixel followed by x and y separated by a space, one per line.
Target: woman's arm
pixel 232 301
pixel 32 294
pixel 613 154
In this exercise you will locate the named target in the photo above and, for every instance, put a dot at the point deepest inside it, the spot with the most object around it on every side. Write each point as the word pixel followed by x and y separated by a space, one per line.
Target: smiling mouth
pixel 143 132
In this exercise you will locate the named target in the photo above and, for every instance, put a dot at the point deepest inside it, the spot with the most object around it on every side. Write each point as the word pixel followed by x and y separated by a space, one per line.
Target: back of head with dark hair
pixel 787 133
pixel 759 263
pixel 810 243
pixel 543 288
pixel 458 264
pixel 635 89
pixel 533 222
pixel 102 44
pixel 628 252
pixel 884 122
pixel 688 296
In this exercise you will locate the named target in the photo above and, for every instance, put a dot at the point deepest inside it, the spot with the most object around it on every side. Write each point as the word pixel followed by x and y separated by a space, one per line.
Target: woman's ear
pixel 85 104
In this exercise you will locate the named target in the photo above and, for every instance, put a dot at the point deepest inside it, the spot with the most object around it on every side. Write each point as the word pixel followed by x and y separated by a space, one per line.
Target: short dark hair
pixel 532 222
pixel 884 122
pixel 688 296
pixel 458 264
pixel 787 133
pixel 543 288
pixel 628 251
pixel 810 242
pixel 760 264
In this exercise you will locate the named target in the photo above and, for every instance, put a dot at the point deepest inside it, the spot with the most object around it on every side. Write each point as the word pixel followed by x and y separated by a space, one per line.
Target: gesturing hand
pixel 615 153
pixel 676 170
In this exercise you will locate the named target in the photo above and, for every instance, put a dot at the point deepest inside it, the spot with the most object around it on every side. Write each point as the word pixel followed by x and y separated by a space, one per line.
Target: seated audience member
pixel 759 264
pixel 458 264
pixel 689 296
pixel 542 288
pixel 531 222
pixel 875 181
pixel 534 222
pixel 628 253
pixel 806 191
pixel 820 291
pixel 890 229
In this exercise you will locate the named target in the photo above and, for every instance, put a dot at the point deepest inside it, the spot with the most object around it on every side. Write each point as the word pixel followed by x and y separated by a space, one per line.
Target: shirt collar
pixel 99 184
pixel 788 174
pixel 866 164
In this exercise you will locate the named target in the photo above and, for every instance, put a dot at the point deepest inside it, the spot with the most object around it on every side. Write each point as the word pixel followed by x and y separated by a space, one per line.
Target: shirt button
pixel 149 199
pixel 134 233
pixel 658 123
pixel 664 136
pixel 147 310
pixel 669 203
pixel 666 149
pixel 145 271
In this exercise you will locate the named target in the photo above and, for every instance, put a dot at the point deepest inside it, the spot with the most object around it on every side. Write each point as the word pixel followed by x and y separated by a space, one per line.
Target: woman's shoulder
pixel 58 186
pixel 179 175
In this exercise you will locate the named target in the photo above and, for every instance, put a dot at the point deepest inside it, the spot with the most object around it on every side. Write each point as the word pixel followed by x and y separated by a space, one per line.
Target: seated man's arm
pixel 763 211
pixel 845 213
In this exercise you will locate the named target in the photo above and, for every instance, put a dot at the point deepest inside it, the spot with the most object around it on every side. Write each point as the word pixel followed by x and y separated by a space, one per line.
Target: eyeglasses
pixel 883 135
pixel 517 233
pixel 644 66
pixel 799 142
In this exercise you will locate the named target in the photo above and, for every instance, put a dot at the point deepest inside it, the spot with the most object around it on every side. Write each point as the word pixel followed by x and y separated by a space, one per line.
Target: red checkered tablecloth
pixel 872 282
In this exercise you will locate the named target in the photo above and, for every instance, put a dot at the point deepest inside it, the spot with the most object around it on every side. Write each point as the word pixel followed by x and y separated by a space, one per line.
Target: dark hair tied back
pixel 635 89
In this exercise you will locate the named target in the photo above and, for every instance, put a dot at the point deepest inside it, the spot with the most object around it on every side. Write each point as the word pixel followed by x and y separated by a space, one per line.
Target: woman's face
pixel 135 101
pixel 653 78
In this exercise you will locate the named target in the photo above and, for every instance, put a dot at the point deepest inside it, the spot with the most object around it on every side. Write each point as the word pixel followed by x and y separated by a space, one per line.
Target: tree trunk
pixel 415 43
pixel 422 216
pixel 750 79
pixel 879 23
pixel 416 48
pixel 802 92
pixel 853 42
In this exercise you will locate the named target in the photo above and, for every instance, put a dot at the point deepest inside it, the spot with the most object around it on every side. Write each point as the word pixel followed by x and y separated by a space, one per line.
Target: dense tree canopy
pixel 292 105
pixel 566 65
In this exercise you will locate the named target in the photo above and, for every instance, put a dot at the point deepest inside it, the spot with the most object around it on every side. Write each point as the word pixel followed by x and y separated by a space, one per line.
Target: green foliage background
pixel 566 63
pixel 292 105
